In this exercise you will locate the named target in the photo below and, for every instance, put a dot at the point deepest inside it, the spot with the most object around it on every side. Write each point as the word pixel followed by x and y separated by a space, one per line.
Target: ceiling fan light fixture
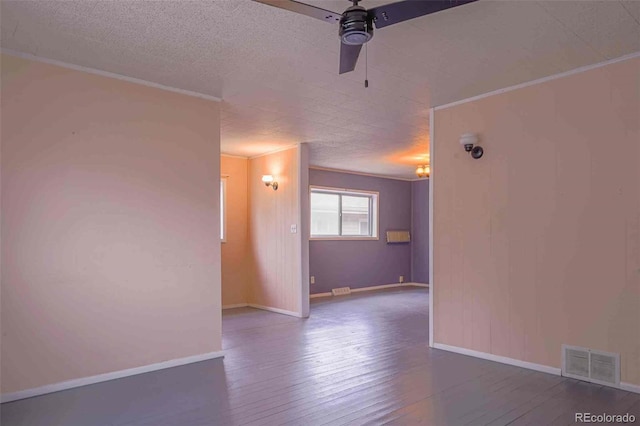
pixel 356 37
pixel 355 26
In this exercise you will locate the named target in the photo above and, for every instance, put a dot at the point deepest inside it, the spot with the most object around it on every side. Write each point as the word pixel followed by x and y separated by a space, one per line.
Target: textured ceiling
pixel 277 72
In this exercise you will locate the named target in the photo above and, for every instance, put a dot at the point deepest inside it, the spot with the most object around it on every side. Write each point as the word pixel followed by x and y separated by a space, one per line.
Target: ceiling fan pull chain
pixel 366 66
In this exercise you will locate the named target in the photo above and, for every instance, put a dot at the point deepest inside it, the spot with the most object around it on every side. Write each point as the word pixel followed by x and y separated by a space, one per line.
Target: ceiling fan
pixel 356 23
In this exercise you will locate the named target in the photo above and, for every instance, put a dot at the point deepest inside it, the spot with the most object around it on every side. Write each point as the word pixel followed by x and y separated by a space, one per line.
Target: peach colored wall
pixel 538 243
pixel 275 251
pixel 110 225
pixel 235 260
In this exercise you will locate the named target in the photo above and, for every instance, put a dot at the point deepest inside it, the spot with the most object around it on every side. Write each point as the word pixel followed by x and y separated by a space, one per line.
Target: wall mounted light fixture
pixel 268 181
pixel 423 171
pixel 470 143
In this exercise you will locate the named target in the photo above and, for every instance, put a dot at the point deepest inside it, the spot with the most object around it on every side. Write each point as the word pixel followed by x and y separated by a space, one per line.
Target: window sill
pixel 343 238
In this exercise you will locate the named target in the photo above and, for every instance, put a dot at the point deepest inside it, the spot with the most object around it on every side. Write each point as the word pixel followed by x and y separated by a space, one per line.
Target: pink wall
pixel 235 251
pixel 538 243
pixel 110 225
pixel 275 251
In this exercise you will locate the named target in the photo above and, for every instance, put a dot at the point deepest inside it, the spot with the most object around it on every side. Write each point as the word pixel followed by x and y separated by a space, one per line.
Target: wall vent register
pixel 591 365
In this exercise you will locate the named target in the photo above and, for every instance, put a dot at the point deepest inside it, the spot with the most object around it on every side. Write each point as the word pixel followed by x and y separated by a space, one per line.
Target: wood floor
pixel 359 360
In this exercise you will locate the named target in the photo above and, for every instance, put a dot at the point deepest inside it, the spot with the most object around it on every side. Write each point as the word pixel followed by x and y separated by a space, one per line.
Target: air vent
pixel 605 368
pixel 341 291
pixel 590 365
pixel 576 363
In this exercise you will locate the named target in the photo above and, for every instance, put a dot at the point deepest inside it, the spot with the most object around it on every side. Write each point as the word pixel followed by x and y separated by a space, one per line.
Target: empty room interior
pixel 321 212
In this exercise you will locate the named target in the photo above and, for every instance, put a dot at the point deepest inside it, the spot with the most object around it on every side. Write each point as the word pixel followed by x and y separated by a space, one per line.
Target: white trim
pixel 349 191
pixel 313 296
pixel 108 74
pixel 375 216
pixel 336 238
pixel 304 219
pixel 223 208
pixel 418 285
pixel 222 154
pixel 376 287
pixel 84 381
pixel 630 387
pixel 275 151
pixel 236 305
pixel 350 172
pixel 432 143
pixel 276 310
pixel 497 358
pixel 538 81
pixel 373 287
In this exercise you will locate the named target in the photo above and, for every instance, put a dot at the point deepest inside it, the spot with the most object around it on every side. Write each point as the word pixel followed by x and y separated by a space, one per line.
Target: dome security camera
pixel 477 152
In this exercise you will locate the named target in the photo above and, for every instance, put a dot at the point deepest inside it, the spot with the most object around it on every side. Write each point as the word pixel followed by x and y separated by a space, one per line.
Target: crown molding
pixel 540 80
pixel 108 74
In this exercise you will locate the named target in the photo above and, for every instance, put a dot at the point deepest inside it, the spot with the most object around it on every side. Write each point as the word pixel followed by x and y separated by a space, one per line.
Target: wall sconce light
pixel 469 141
pixel 423 171
pixel 268 181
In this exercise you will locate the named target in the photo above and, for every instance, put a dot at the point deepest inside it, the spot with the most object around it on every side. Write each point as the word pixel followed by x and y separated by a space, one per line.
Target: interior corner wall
pixel 275 251
pixel 420 231
pixel 538 243
pixel 235 262
pixel 358 263
pixel 110 225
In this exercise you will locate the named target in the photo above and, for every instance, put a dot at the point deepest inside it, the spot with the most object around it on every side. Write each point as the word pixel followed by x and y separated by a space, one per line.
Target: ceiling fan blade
pixel 348 57
pixel 304 9
pixel 393 13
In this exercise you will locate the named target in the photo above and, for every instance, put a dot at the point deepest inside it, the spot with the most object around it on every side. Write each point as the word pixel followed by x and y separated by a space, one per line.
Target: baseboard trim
pixel 373 287
pixel 84 381
pixel 630 387
pixel 237 305
pixel 276 310
pixel 376 287
pixel 498 358
pixel 313 296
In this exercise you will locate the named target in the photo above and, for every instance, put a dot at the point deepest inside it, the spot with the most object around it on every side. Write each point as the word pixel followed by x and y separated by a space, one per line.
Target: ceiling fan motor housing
pixel 355 26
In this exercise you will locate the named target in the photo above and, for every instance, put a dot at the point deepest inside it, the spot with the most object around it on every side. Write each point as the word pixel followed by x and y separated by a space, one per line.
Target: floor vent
pixel 341 291
pixel 590 365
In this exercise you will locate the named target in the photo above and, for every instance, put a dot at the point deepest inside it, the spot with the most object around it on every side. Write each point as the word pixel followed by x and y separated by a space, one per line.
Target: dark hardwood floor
pixel 359 360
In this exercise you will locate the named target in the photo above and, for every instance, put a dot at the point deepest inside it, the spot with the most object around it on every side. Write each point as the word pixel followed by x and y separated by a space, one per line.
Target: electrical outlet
pixel 313 279
pixel 401 279
pixel 294 229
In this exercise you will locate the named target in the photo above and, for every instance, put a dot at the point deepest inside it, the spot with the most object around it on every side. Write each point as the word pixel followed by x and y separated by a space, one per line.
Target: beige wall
pixel 110 225
pixel 275 251
pixel 538 243
pixel 235 251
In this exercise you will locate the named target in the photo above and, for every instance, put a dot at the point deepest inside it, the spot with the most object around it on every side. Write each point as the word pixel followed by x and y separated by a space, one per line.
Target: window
pixel 223 209
pixel 343 214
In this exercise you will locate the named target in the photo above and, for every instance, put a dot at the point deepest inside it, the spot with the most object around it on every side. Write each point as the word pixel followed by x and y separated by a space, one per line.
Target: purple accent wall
pixel 420 231
pixel 363 263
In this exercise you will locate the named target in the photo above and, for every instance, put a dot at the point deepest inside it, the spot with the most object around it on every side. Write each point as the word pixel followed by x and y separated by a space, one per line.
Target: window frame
pixel 374 208
pixel 223 209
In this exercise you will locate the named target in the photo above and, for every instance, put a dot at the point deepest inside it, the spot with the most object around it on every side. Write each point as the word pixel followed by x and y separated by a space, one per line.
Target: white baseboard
pixel 373 287
pixel 376 287
pixel 629 387
pixel 237 305
pixel 498 358
pixel 313 296
pixel 276 310
pixel 83 381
